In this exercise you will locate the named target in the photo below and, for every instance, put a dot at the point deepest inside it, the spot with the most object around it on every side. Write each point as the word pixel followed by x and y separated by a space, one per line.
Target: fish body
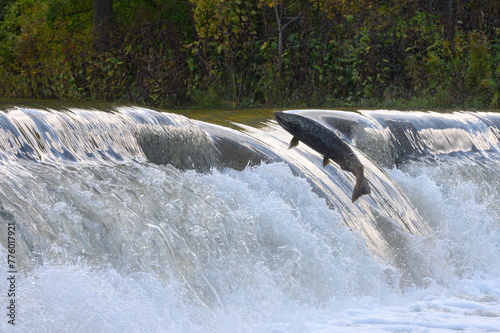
pixel 328 144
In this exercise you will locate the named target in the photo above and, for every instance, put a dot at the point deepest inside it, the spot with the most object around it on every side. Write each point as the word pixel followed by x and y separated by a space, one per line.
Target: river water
pixel 129 219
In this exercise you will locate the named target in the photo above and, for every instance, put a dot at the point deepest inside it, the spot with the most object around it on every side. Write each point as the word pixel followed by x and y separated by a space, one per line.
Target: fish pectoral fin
pixel 294 142
pixel 326 160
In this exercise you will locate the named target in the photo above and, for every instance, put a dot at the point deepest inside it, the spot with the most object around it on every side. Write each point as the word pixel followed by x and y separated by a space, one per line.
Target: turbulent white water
pixel 132 246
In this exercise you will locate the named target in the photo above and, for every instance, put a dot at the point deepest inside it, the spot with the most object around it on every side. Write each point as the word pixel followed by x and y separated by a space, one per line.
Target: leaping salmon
pixel 325 142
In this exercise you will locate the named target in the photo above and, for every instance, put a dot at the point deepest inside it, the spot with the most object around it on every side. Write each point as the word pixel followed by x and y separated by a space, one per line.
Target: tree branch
pixel 295 18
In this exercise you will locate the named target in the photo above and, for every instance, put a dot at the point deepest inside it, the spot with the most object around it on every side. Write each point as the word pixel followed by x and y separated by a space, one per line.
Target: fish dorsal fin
pixel 326 160
pixel 294 142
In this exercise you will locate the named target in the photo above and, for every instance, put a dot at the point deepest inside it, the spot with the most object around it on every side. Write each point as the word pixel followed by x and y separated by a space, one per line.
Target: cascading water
pixel 136 220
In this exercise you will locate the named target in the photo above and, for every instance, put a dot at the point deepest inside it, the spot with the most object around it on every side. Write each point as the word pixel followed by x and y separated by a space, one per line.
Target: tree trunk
pixel 449 21
pixel 280 36
pixel 102 24
pixel 280 29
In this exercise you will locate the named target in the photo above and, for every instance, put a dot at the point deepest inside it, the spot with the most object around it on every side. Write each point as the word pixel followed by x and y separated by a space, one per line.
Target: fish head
pixel 292 123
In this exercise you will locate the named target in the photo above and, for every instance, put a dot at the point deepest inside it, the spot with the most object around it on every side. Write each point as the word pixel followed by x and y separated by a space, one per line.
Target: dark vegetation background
pixel 247 53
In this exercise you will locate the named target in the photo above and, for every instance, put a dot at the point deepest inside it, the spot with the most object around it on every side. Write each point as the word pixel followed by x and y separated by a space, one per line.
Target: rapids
pixel 130 219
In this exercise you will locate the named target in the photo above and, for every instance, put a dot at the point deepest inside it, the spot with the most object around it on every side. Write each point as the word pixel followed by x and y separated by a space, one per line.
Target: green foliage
pixel 220 53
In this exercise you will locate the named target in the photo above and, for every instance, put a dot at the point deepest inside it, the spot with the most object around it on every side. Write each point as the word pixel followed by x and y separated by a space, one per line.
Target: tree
pixel 102 24
pixel 280 10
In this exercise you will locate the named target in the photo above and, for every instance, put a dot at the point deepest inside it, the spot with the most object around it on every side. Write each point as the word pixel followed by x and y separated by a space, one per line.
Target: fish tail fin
pixel 361 188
